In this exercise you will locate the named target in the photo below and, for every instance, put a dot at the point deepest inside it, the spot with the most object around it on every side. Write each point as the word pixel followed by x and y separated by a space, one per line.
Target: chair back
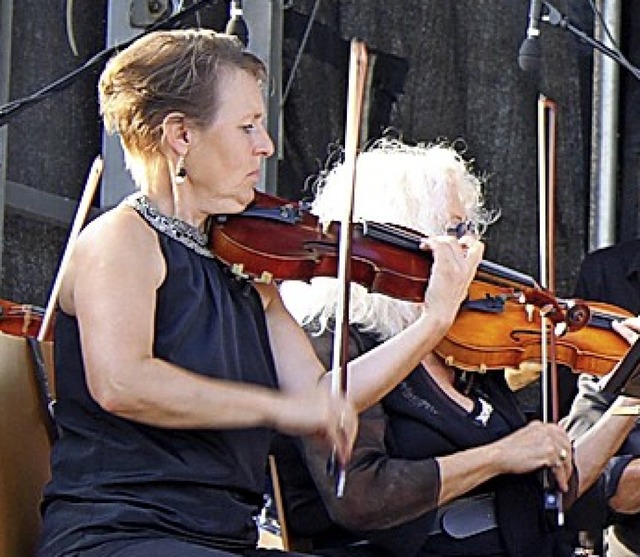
pixel 24 446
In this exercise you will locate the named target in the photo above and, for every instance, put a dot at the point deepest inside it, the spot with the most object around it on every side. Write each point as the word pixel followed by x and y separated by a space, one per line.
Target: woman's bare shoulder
pixel 117 247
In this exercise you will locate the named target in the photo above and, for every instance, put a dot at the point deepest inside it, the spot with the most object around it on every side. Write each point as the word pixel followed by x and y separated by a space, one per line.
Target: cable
pixel 13 107
pixel 598 14
pixel 615 46
pixel 296 61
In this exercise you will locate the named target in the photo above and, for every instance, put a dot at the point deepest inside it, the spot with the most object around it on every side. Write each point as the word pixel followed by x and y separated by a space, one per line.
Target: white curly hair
pixel 407 185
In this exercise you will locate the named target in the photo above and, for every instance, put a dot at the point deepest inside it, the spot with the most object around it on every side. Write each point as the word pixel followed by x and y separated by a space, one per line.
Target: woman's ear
pixel 177 134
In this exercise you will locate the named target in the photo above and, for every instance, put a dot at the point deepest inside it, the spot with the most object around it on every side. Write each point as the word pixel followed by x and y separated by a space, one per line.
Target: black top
pixel 114 478
pixel 425 423
pixel 610 275
pixel 393 480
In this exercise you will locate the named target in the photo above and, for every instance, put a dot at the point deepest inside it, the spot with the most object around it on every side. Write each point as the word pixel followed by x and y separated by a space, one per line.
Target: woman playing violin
pixel 171 370
pixel 447 463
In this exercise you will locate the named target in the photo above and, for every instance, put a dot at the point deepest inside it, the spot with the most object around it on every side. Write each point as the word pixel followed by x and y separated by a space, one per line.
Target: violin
pixel 498 326
pixel 479 342
pixel 22 320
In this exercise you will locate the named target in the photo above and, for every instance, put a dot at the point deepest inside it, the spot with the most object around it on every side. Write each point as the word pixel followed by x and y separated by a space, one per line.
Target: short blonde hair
pixel 164 72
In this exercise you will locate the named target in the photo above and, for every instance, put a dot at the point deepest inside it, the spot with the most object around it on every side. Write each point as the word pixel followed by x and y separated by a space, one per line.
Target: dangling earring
pixel 181 171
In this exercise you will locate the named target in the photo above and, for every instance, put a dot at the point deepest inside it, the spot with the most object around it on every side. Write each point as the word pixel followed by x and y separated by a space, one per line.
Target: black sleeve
pixel 587 408
pixel 380 491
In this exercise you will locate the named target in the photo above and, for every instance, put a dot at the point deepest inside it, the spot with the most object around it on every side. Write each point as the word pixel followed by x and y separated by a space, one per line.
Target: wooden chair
pixel 290 540
pixel 287 542
pixel 24 447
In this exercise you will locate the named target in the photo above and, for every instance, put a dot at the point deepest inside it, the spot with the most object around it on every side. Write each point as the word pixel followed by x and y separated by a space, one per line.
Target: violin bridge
pixel 238 270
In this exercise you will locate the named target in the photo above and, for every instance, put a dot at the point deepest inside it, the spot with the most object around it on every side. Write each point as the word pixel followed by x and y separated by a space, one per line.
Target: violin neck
pixel 603 320
pixel 492 271
pixel 411 240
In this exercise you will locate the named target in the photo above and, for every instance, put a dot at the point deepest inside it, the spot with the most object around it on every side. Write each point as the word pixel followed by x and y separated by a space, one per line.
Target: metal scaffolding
pixel 604 157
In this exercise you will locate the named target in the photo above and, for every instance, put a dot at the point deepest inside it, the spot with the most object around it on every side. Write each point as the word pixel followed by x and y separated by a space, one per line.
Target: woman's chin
pixel 247 198
pixel 234 203
pixel 239 202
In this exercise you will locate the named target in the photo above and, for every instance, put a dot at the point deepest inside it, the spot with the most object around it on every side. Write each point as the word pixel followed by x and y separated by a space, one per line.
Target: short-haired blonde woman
pixel 171 374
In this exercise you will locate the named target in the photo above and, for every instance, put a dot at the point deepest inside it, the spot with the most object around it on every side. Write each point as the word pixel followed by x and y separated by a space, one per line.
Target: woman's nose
pixel 264 146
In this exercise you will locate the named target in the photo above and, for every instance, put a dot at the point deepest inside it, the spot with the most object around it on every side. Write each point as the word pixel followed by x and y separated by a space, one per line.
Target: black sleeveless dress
pixel 116 479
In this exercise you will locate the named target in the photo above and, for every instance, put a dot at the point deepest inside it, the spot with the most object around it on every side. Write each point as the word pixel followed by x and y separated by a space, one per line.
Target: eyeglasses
pixel 462 228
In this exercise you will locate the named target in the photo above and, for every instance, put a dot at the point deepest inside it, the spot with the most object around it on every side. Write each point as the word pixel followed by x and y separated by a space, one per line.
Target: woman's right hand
pixel 329 419
pixel 537 445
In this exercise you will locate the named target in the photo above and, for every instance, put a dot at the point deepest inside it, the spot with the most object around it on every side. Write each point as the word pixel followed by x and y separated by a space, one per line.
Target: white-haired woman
pixel 447 463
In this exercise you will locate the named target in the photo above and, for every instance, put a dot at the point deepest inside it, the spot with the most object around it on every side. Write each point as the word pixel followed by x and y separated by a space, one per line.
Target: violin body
pixel 286 242
pixel 498 326
pixel 494 339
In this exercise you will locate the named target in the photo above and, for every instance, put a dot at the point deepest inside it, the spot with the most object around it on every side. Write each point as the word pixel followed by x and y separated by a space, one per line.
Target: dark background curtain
pixel 452 70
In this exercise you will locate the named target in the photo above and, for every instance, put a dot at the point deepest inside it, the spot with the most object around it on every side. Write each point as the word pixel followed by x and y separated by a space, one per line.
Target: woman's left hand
pixel 629 329
pixel 455 263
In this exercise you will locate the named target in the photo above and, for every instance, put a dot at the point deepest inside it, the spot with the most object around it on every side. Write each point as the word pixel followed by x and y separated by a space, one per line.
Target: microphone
pixel 529 55
pixel 237 25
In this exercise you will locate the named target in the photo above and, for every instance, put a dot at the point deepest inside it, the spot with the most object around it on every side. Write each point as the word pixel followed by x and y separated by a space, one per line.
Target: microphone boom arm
pixel 557 19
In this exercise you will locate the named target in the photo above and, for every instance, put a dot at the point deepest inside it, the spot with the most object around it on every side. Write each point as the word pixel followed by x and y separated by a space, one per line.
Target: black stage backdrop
pixel 449 70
